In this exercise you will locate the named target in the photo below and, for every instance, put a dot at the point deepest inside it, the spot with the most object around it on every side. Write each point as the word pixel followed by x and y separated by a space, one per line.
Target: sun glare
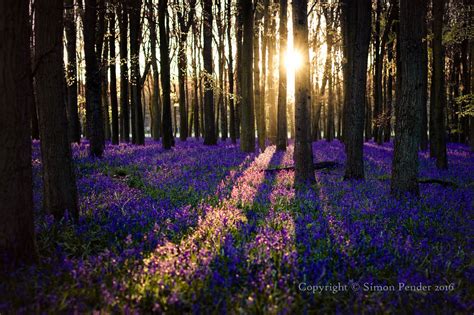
pixel 293 60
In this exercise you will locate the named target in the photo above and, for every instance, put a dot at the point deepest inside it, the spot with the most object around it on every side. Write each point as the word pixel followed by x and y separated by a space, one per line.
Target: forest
pixel 236 156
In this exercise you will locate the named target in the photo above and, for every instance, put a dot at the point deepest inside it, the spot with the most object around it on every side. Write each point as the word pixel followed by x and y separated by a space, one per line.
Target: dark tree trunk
pixel 230 75
pixel 222 106
pixel 258 32
pixel 270 77
pixel 155 108
pixel 389 95
pixel 424 82
pixel 238 66
pixel 303 154
pixel 356 32
pixel 184 21
pixel 247 138
pixel 408 113
pixel 438 100
pixel 59 184
pixel 113 79
pixel 124 97
pixel 165 75
pixel 139 126
pixel 209 120
pixel 17 241
pixel 95 127
pixel 104 90
pixel 74 126
pixel 282 129
pixel 196 100
pixel 377 132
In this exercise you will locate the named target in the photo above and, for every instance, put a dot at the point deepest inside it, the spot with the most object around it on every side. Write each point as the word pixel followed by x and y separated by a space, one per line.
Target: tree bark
pixel 232 124
pixel 59 184
pixel 247 138
pixel 408 113
pixel 74 126
pixel 136 86
pixel 356 32
pixel 438 100
pixel 258 33
pixel 17 241
pixel 124 97
pixel 282 125
pixel 165 75
pixel 210 137
pixel 303 154
pixel 113 79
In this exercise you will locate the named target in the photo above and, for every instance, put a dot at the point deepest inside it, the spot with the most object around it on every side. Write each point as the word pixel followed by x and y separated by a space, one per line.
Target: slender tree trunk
pixel 59 184
pixel 247 141
pixel 95 127
pixel 135 71
pixel 256 79
pixel 17 240
pixel 113 79
pixel 356 32
pixel 424 82
pixel 210 137
pixel 408 113
pixel 104 91
pixel 165 75
pixel 378 126
pixel 232 123
pixel 389 96
pixel 270 76
pixel 282 129
pixel 74 126
pixel 438 101
pixel 303 154
pixel 124 97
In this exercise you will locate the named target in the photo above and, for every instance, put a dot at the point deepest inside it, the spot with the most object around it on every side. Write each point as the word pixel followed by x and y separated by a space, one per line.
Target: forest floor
pixel 205 229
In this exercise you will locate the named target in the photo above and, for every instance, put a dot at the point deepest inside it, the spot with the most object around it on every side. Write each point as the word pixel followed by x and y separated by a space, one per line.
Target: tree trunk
pixel 59 184
pixel 124 97
pixel 256 80
pixel 378 126
pixel 356 32
pixel 17 240
pixel 135 71
pixel 438 100
pixel 247 139
pixel 95 127
pixel 408 113
pixel 210 137
pixel 74 126
pixel 165 75
pixel 104 91
pixel 282 126
pixel 230 75
pixel 424 82
pixel 270 76
pixel 303 154
pixel 113 79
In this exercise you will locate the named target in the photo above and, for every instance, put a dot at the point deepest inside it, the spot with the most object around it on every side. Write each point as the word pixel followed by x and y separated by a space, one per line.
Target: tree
pixel 74 126
pixel 155 102
pixel 232 124
pixel 408 113
pixel 136 86
pixel 185 17
pixel 113 78
pixel 17 241
pixel 124 101
pixel 303 154
pixel 259 106
pixel 165 74
pixel 438 92
pixel 356 35
pixel 282 131
pixel 209 121
pixel 95 126
pixel 378 78
pixel 247 137
pixel 59 184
